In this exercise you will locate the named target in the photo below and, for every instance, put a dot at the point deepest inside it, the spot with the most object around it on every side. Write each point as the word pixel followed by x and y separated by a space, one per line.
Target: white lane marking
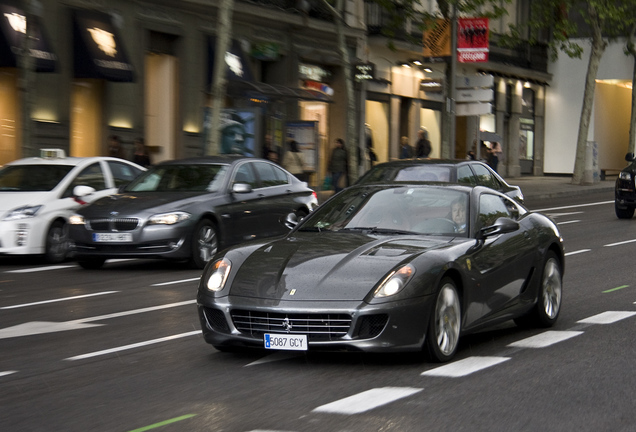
pixel 554 215
pixel 5 373
pixel 135 345
pixel 607 317
pixel 132 312
pixel 39 269
pixel 620 243
pixel 465 367
pixel 568 222
pixel 577 252
pixel 279 356
pixel 545 339
pixel 574 206
pixel 176 282
pixel 58 300
pixel 367 400
pixel 41 327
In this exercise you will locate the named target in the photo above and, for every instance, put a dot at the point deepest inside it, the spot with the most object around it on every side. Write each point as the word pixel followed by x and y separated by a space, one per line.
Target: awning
pixel 98 50
pixel 12 32
pixel 240 79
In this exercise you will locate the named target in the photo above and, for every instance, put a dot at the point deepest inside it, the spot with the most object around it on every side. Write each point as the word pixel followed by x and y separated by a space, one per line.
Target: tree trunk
pixel 631 48
pixel 219 75
pixel 598 47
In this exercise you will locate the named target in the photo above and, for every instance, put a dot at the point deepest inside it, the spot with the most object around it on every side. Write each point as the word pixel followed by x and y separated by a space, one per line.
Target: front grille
pixel 317 327
pixel 114 224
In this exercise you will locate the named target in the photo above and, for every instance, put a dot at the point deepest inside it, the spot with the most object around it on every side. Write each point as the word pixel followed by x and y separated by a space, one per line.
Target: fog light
pixel 21 234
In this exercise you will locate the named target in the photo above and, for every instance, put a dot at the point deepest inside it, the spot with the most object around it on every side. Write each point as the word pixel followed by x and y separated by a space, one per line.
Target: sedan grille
pixel 114 224
pixel 317 327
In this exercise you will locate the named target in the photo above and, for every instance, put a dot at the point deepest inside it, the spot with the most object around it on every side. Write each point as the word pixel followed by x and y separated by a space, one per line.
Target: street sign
pixel 474 81
pixel 472 40
pixel 472 109
pixel 474 95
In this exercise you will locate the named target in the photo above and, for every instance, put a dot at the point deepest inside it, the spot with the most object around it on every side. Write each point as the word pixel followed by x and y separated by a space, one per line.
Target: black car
pixel 188 209
pixel 387 268
pixel 624 190
pixel 466 172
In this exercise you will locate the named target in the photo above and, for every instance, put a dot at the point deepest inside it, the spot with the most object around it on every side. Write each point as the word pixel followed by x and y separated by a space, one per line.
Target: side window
pixel 270 175
pixel 485 177
pixel 245 174
pixel 92 176
pixel 465 176
pixel 122 173
pixel 491 208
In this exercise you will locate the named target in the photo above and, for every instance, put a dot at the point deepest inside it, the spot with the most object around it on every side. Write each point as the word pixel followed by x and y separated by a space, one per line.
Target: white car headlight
pixel 168 218
pixel 623 175
pixel 77 220
pixel 218 277
pixel 22 213
pixel 395 281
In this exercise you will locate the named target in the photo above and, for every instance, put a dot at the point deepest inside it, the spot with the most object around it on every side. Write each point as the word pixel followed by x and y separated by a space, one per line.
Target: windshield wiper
pixel 376 230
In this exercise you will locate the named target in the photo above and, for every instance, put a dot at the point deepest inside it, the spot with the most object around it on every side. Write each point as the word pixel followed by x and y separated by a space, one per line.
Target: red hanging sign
pixel 472 40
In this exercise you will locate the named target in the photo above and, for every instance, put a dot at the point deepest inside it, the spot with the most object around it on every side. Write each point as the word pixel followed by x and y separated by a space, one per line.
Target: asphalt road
pixel 119 349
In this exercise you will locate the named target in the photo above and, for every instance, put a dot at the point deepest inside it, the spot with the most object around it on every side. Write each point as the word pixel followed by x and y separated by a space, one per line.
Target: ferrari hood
pixel 332 266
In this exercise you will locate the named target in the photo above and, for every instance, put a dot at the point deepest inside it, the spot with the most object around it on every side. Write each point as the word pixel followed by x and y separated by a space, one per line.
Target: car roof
pixel 71 160
pixel 221 159
pixel 425 161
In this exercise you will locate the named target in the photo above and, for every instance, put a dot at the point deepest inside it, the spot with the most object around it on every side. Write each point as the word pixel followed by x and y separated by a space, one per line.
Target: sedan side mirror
pixel 291 220
pixel 81 191
pixel 241 188
pixel 502 225
pixel 629 157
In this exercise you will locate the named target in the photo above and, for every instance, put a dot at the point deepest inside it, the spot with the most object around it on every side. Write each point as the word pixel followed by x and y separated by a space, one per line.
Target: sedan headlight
pixel 168 218
pixel 395 281
pixel 218 277
pixel 624 175
pixel 22 213
pixel 77 220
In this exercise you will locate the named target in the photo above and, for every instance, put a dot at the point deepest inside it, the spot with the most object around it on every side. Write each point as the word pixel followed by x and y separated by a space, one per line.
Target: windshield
pixel 416 173
pixel 180 178
pixel 32 178
pixel 402 209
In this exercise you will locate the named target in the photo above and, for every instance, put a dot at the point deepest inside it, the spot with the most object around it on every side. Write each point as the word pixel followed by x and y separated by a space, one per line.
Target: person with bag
pixel 293 161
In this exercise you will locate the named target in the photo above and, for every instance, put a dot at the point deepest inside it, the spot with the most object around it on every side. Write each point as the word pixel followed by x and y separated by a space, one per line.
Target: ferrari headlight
pixel 624 175
pixel 395 281
pixel 76 220
pixel 168 218
pixel 22 213
pixel 218 277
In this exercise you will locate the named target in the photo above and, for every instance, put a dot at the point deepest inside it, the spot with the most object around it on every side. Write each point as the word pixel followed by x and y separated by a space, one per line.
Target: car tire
pixel 57 243
pixel 91 263
pixel 623 213
pixel 205 243
pixel 444 327
pixel 548 306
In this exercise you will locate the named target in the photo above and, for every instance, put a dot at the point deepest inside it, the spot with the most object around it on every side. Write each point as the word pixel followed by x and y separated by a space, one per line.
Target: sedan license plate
pixel 285 341
pixel 112 237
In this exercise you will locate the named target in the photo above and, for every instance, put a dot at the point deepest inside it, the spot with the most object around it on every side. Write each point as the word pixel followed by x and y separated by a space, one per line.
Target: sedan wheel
pixel 205 243
pixel 445 323
pixel 623 213
pixel 57 243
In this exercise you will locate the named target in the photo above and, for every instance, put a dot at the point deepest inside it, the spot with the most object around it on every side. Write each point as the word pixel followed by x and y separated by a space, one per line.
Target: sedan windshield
pixel 32 178
pixel 180 178
pixel 415 173
pixel 395 210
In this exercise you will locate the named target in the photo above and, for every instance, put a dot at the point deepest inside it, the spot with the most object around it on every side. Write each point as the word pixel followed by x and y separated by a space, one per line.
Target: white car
pixel 37 195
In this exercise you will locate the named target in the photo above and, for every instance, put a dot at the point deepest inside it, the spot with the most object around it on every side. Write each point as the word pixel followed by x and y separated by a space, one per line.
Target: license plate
pixel 112 237
pixel 285 342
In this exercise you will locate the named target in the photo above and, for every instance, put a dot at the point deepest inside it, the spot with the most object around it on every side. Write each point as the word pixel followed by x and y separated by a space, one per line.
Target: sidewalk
pixel 540 187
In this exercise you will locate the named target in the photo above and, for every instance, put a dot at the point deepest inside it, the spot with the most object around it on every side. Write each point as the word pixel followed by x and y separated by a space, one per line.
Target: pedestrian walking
pixel 141 156
pixel 339 165
pixel 406 151
pixel 423 146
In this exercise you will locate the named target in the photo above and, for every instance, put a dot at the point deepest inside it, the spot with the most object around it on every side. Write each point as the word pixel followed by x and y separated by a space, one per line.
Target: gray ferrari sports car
pixel 387 268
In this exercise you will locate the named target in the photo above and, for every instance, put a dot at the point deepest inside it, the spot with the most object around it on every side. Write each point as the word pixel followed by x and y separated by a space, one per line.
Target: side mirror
pixel 241 188
pixel 629 157
pixel 81 191
pixel 291 220
pixel 502 225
